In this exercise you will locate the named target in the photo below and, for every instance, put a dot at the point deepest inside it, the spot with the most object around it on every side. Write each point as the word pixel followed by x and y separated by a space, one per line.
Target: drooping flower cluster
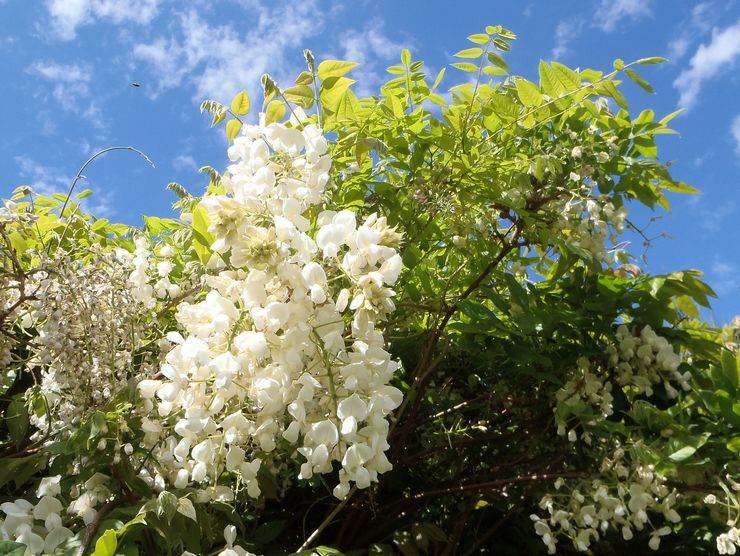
pixel 623 501
pixel 637 361
pixel 89 322
pixel 588 225
pixel 38 526
pixel 266 363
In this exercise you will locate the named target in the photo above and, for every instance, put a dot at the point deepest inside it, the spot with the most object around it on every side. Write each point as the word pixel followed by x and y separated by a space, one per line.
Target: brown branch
pixel 92 528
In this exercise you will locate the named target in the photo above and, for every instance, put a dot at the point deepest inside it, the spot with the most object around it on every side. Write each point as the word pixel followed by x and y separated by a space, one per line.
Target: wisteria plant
pixel 411 323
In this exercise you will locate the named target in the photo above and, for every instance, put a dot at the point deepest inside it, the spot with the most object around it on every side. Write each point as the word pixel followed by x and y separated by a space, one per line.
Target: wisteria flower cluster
pixel 267 364
pixel 623 500
pixel 636 361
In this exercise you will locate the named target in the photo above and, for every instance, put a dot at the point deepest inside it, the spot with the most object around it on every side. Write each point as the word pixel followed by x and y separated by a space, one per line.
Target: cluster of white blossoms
pixel 637 361
pixel 89 323
pixel 727 543
pixel 623 502
pixel 283 356
pixel 38 526
pixel 589 224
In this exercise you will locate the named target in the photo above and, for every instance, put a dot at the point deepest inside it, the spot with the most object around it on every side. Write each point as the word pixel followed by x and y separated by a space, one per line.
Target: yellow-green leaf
pixel 479 38
pixel 474 52
pixel 302 95
pixel 651 60
pixel 465 66
pixel 333 89
pixel 497 60
pixel 304 78
pixel 438 80
pixel 275 112
pixel 405 57
pixel 634 76
pixel 528 92
pixel 335 68
pixel 347 106
pixel 106 544
pixel 233 127
pixel 218 117
pixel 240 104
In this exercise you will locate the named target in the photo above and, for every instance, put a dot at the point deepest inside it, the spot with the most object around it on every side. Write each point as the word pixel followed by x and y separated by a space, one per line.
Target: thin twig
pixel 78 177
pixel 327 520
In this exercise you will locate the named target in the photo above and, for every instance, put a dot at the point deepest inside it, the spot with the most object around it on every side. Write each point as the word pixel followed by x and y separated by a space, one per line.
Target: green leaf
pixel 493 70
pixel 618 64
pixel 682 454
pixel 479 38
pixel 240 104
pixel 186 508
pixel 348 106
pixel 9 548
pixel 275 112
pixel 465 66
pixel 406 57
pixel 106 545
pixel 233 127
pixel 497 60
pixel 678 187
pixel 333 89
pixel 167 505
pixel 84 194
pixel 528 92
pixel 634 76
pixel 549 82
pixel 731 368
pixel 438 79
pixel 16 416
pixel 734 444
pixel 328 551
pixel 304 78
pixel 302 95
pixel 473 53
pixel 570 79
pixel 334 68
pixel 651 60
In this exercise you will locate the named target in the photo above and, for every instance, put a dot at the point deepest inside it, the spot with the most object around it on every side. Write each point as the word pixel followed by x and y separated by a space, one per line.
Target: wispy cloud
pixel 218 61
pixel 689 30
pixel 712 220
pixel 68 15
pixel 70 87
pixel 373 49
pixel 707 62
pixel 610 13
pixel 565 33
pixel 47 180
pixel 184 162
pixel 726 276
pixel 735 132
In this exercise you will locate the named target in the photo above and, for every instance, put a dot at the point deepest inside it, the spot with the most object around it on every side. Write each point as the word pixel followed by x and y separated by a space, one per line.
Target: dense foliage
pixel 403 324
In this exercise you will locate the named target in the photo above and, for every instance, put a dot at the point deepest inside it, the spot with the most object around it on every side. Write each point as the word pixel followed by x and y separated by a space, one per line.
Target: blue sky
pixel 68 66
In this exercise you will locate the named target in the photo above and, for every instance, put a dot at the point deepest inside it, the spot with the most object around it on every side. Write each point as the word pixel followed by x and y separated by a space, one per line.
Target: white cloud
pixel 609 13
pixel 699 22
pixel 67 15
pixel 726 276
pixel 218 61
pixel 735 132
pixel 565 32
pixel 712 220
pixel 184 162
pixel 372 48
pixel 70 88
pixel 708 60
pixel 47 180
